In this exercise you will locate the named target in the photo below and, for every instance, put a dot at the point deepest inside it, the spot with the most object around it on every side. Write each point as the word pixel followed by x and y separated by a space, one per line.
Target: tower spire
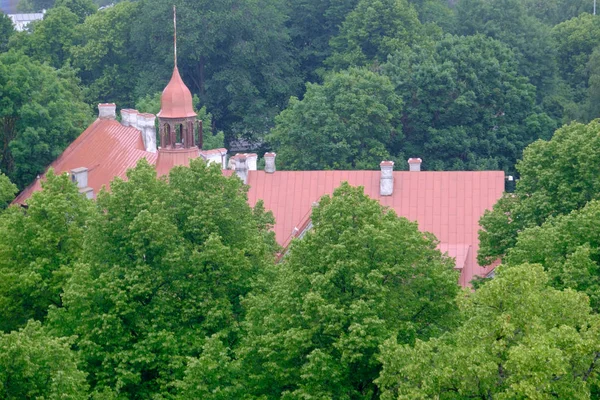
pixel 175 35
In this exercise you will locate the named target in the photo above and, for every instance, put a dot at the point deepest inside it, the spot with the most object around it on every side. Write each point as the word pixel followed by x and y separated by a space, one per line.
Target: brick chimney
pixel 241 168
pixel 386 180
pixel 107 111
pixel 270 163
pixel 414 164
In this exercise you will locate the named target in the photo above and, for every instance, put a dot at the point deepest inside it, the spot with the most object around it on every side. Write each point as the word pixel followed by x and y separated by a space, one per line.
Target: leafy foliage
pixel 165 264
pixel 7 191
pixel 38 247
pixel 360 276
pixel 520 339
pixel 35 365
pixel 373 30
pixel 556 177
pixel 348 122
pixel 41 112
pixel 465 106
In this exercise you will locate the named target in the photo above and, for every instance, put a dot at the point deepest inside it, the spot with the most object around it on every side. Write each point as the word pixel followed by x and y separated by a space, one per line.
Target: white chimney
pixel 80 177
pixel 241 168
pixel 251 159
pixel 107 111
pixel 270 163
pixel 414 164
pixel 145 123
pixel 386 180
pixel 223 158
pixel 129 117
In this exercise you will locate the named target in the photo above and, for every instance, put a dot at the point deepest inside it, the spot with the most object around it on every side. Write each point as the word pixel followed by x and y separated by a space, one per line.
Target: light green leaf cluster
pixel 38 247
pixel 522 339
pixel 556 177
pixel 35 365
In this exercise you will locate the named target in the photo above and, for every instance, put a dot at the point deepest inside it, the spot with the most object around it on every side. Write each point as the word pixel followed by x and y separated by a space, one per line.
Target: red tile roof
pixel 106 148
pixel 448 204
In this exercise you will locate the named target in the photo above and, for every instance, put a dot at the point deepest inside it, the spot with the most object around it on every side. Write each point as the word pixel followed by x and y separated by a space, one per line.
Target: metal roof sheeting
pixel 447 204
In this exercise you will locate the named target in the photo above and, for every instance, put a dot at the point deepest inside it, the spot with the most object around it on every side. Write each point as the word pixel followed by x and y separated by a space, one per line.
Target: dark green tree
pixel 374 29
pixel 521 339
pixel 234 55
pixel 6 31
pixel 38 247
pixel 81 8
pixel 556 177
pixel 312 24
pixel 103 53
pixel 553 12
pixel 465 106
pixel 41 112
pixel 51 39
pixel 508 22
pixel 348 122
pixel 35 365
pixel 359 277
pixel 165 265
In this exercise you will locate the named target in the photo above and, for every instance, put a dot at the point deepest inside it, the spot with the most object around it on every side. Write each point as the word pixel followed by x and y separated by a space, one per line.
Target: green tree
pixel 234 55
pixel 374 29
pixel 103 53
pixel 568 247
pixel 348 122
pixel 38 247
pixel 576 40
pixel 312 24
pixel 51 39
pixel 553 12
pixel 41 112
pixel 81 8
pixel 35 365
pixel 556 177
pixel 359 277
pixel 164 266
pixel 508 22
pixel 465 106
pixel 520 339
pixel 7 191
pixel 6 31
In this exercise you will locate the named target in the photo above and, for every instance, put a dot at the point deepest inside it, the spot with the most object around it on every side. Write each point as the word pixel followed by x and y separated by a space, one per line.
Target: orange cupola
pixel 176 99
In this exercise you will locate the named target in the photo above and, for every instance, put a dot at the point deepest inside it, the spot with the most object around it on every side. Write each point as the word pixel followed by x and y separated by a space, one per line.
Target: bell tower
pixel 176 117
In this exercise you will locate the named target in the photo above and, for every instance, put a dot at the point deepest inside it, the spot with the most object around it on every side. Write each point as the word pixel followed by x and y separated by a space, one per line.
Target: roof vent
pixel 270 163
pixel 414 164
pixel 386 180
pixel 107 111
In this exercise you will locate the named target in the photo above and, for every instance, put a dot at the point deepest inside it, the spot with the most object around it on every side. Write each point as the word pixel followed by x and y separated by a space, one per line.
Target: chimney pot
pixel 107 111
pixel 270 163
pixel 414 164
pixel 386 180
pixel 241 168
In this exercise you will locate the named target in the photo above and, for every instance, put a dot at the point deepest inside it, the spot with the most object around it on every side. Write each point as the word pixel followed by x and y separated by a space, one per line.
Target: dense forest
pixel 170 288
